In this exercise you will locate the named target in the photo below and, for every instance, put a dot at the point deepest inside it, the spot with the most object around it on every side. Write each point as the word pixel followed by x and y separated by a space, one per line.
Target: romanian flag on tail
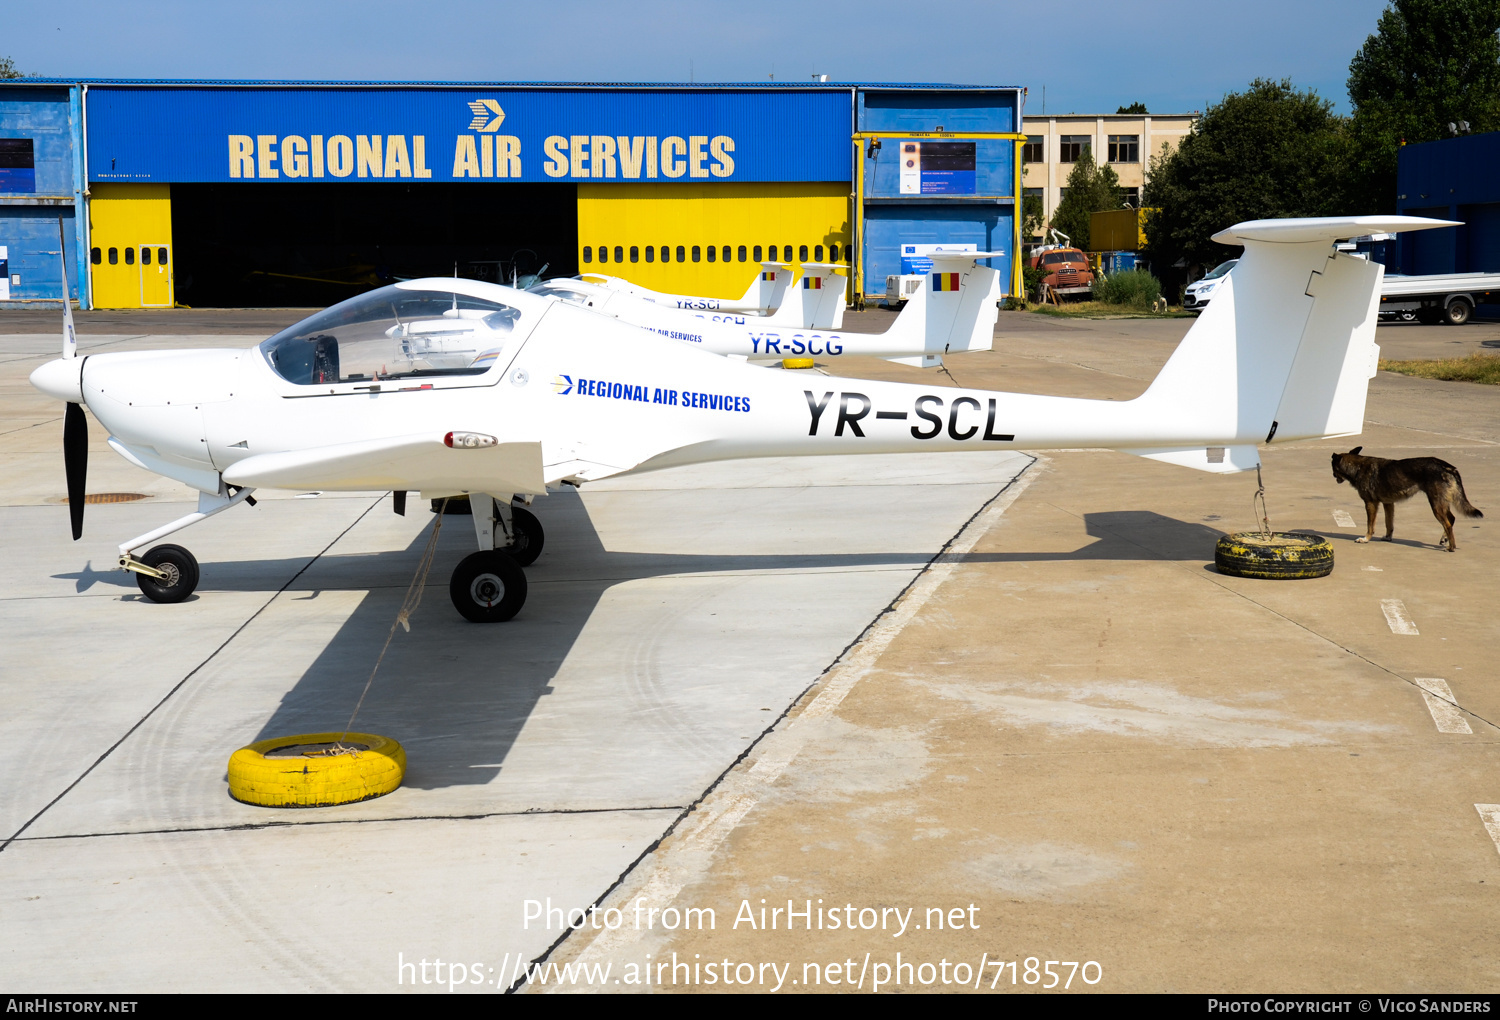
pixel 812 283
pixel 945 281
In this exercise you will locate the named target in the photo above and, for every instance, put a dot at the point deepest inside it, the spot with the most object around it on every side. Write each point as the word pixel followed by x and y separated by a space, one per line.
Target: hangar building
pixel 240 193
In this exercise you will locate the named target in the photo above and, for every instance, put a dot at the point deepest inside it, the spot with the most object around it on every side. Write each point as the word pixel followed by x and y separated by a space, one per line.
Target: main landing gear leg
pixel 169 573
pixel 489 586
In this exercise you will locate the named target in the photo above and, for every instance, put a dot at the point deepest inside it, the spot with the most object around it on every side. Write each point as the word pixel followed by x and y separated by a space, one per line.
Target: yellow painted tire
pixel 796 362
pixel 1282 556
pixel 273 773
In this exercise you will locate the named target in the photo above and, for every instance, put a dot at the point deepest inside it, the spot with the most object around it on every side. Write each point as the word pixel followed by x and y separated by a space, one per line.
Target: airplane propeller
pixel 75 424
pixel 76 463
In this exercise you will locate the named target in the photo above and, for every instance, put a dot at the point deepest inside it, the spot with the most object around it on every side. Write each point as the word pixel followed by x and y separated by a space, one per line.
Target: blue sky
pixel 1174 56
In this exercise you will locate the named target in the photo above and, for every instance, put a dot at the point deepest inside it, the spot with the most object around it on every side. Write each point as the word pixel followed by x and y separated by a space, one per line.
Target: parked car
pixel 1068 270
pixel 1197 295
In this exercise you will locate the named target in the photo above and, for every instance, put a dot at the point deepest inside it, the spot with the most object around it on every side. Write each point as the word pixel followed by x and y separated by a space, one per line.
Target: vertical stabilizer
pixel 815 300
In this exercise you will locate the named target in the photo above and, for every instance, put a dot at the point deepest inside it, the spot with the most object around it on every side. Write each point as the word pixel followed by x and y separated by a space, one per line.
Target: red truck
pixel 1068 270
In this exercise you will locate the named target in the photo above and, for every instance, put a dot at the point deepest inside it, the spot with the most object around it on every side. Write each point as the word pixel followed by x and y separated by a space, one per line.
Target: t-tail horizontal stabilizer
pixel 1285 351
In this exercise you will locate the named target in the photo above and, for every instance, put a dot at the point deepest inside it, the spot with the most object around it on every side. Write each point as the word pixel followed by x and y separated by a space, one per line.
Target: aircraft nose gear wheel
pixel 488 587
pixel 529 537
pixel 180 570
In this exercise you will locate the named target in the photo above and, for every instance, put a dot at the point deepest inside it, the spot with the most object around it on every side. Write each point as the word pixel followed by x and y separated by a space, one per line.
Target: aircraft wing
pixel 422 462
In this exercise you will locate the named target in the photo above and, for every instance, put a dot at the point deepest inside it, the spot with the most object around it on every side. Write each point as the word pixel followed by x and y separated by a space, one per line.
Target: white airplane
pixel 955 311
pixel 815 301
pixel 456 386
pixel 762 297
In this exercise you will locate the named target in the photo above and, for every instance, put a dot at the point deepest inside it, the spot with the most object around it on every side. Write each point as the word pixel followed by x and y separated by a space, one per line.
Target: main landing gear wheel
pixel 181 570
pixel 529 537
pixel 488 587
pixel 1280 556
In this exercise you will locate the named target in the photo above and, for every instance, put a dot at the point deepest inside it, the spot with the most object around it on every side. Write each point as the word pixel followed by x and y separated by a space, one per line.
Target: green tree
pixel 1270 151
pixel 8 68
pixel 1430 63
pixel 1139 109
pixel 1091 188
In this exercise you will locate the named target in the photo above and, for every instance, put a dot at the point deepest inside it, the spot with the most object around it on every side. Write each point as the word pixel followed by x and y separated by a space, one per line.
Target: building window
pixel 635 253
pixel 95 256
pixel 742 253
pixel 1035 149
pixel 650 253
pixel 1073 147
pixel 1062 194
pixel 681 253
pixel 619 253
pixel 1124 148
pixel 755 253
pixel 697 253
pixel 1132 197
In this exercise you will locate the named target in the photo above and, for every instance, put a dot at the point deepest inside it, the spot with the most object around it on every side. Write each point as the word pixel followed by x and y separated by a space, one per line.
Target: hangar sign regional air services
pixel 347 134
pixel 481 152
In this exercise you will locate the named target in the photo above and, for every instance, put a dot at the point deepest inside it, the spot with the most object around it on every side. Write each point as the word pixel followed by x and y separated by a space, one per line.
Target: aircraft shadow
pixel 460 693
pixel 1126 535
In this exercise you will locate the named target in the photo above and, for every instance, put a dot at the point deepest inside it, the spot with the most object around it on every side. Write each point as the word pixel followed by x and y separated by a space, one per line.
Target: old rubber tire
pixel 277 773
pixel 488 587
pixel 529 537
pixel 181 567
pixel 1283 556
pixel 1458 312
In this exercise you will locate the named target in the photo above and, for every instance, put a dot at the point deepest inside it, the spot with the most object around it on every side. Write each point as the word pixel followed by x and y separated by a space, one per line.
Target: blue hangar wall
pixel 938 168
pixel 41 182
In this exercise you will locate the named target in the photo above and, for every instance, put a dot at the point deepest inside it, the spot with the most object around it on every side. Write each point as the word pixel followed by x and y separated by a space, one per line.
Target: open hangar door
pixel 253 245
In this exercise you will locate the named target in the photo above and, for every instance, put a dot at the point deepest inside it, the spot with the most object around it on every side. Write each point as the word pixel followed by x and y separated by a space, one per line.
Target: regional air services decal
pixel 481 152
pixel 566 385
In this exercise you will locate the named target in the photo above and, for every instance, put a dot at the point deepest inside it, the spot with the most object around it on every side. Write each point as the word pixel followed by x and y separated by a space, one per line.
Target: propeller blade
pixel 76 463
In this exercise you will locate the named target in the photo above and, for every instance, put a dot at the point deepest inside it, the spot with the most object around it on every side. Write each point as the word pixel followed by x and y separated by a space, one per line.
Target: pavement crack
pixel 258 826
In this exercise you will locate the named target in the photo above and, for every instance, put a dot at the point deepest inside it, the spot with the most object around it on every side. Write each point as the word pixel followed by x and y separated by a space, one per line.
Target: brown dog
pixel 1380 481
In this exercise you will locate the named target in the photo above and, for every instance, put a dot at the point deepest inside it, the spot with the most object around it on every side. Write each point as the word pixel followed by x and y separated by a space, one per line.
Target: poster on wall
pixel 938 168
pixel 917 258
pixel 17 166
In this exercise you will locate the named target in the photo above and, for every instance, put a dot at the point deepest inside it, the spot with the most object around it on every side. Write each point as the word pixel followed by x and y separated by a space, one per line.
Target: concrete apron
pixel 670 620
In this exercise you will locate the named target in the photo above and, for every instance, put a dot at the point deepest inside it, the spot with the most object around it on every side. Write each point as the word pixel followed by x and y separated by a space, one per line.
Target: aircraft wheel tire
pixel 488 587
pixel 529 537
pixel 1283 556
pixel 272 773
pixel 181 569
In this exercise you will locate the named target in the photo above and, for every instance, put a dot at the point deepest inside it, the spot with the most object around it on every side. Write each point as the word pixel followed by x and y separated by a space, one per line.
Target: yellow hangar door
pixel 708 239
pixel 130 245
